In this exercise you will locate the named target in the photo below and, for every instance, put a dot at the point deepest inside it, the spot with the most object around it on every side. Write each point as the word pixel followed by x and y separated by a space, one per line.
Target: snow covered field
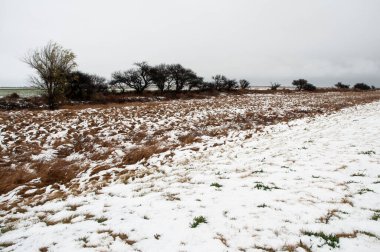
pixel 307 185
pixel 38 143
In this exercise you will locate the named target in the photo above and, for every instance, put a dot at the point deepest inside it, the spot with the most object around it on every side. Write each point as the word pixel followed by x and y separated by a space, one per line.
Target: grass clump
pixel 198 220
pixel 330 240
pixel 358 174
pixel 263 205
pixel 364 190
pixel 101 219
pixel 217 185
pixel 375 216
pixel 6 244
pixel 5 229
pixel 261 186
pixel 370 152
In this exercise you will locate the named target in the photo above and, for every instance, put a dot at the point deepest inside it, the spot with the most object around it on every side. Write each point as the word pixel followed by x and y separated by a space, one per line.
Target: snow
pixel 310 175
pixel 45 155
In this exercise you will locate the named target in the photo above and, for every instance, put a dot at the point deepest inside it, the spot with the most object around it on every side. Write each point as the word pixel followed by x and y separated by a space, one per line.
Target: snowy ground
pixel 36 144
pixel 309 185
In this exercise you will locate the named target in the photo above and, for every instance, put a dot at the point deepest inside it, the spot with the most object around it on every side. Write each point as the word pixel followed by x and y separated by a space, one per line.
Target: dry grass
pixel 149 127
pixel 330 214
pixel 6 244
pixel 222 239
pixel 141 153
pixel 189 139
pixel 293 248
pixel 122 236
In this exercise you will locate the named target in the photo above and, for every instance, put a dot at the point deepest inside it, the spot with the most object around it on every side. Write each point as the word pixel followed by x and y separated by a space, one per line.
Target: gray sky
pixel 324 41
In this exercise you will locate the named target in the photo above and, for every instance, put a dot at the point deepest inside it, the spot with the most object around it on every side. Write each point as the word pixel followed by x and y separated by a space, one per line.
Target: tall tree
pixel 53 65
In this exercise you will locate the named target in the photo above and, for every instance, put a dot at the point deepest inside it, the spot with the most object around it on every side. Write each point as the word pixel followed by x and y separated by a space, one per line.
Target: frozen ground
pixel 308 185
pixel 36 144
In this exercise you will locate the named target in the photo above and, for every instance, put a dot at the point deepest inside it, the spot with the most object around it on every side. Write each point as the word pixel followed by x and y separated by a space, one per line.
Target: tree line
pixel 57 77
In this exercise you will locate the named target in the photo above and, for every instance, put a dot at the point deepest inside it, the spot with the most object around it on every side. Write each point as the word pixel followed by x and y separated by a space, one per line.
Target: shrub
pixel 340 85
pixel 329 239
pixel 231 84
pixel 198 220
pixel 275 85
pixel 217 185
pixel 299 84
pixel 79 86
pixel 12 96
pixel 222 82
pixel 309 87
pixel 83 86
pixel 219 81
pixel 244 84
pixel 362 86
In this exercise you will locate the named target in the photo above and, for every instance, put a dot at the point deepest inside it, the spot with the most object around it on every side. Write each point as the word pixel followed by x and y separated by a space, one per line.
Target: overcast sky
pixel 264 41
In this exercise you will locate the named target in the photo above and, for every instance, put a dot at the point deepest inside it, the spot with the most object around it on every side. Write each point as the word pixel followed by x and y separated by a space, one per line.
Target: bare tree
pixel 100 83
pixel 182 77
pixel 161 77
pixel 144 71
pixel 244 84
pixel 222 82
pixel 119 81
pixel 138 79
pixel 274 85
pixel 196 82
pixel 53 65
pixel 230 84
pixel 219 81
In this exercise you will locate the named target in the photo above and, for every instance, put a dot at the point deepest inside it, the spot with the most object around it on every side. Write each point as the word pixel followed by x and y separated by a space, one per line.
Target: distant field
pixel 22 91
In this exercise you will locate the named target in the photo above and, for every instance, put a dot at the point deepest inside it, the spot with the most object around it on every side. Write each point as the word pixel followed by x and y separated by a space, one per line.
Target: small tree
pixel 182 77
pixel 195 82
pixel 79 86
pixel 244 84
pixel 99 83
pixel 230 84
pixel 145 73
pixel 362 86
pixel 299 84
pixel 340 85
pixel 219 81
pixel 53 65
pixel 274 85
pixel 138 79
pixel 119 81
pixel 82 86
pixel 161 77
